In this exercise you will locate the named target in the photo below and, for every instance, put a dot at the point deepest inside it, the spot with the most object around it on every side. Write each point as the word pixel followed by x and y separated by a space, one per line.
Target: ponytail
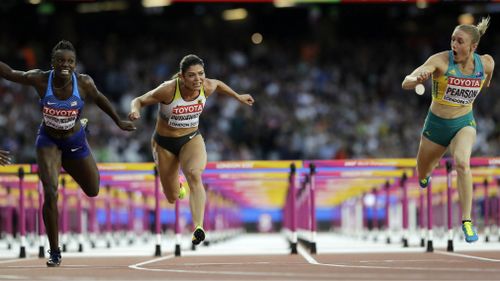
pixel 483 25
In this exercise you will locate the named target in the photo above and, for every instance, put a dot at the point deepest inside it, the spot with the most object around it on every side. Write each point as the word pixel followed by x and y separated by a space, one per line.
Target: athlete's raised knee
pixel 92 192
pixel 171 198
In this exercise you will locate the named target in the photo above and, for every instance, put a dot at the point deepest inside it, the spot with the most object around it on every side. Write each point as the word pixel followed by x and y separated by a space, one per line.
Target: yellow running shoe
pixel 469 232
pixel 198 235
pixel 182 191
pixel 424 182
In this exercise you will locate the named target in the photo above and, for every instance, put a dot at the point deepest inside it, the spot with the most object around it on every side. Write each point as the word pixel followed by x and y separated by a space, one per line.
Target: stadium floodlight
pixel 155 3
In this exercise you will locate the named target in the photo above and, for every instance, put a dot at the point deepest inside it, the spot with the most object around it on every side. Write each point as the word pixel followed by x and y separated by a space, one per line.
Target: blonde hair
pixel 475 31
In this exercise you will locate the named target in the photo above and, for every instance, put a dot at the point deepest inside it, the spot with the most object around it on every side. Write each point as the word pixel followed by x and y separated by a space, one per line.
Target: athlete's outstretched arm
pixel 423 72
pixel 23 77
pixel 221 87
pixel 104 104
pixel 162 92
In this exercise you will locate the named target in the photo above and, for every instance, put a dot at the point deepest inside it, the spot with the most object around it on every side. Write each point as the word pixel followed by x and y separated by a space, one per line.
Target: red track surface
pixel 484 265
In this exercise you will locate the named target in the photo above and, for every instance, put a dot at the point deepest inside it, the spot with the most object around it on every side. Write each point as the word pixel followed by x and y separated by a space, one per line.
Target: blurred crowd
pixel 324 92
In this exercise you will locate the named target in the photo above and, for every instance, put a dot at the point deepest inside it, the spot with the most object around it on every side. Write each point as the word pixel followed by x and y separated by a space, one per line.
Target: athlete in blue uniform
pixel 61 140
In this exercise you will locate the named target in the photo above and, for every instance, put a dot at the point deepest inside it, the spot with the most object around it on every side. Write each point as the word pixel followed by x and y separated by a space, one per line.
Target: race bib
pixel 59 119
pixel 462 91
pixel 186 116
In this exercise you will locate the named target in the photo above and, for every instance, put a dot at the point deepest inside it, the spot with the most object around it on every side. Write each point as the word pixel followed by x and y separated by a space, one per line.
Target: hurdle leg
pixel 430 246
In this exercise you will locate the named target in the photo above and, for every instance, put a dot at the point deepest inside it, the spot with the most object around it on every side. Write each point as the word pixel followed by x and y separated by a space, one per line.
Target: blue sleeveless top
pixel 61 114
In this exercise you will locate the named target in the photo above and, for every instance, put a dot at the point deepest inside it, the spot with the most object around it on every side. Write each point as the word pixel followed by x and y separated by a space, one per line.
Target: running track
pixel 264 257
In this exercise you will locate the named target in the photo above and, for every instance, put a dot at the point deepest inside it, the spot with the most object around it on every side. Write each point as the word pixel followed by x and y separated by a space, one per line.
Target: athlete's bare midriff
pixel 163 129
pixel 449 112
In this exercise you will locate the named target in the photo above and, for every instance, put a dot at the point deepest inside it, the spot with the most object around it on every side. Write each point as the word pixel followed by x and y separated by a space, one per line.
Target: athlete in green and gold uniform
pixel 458 76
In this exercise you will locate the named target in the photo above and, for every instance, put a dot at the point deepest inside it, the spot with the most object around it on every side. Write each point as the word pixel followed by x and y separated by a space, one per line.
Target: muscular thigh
pixel 193 155
pixel 167 165
pixel 49 166
pixel 84 171
pixel 429 153
pixel 461 145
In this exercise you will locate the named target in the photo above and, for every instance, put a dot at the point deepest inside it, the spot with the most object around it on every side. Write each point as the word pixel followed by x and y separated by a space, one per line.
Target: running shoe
pixel 424 182
pixel 54 258
pixel 469 232
pixel 182 191
pixel 198 235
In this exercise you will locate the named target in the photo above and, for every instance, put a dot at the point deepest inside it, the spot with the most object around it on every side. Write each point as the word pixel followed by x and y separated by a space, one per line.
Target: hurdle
pixel 404 204
pixel 17 175
pixel 137 177
pixel 121 182
pixel 290 219
pixel 449 246
pixel 430 210
pixel 311 183
pixel 7 213
pixel 226 180
pixel 147 178
pixel 497 201
pixel 22 217
pixel 306 204
pixel 482 169
pixel 346 180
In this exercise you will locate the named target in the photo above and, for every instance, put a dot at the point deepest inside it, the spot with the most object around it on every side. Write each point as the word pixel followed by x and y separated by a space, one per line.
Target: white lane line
pixel 311 260
pixel 13 277
pixel 62 266
pixel 394 261
pixel 138 265
pixel 225 263
pixel 241 273
pixel 26 266
pixel 17 260
pixel 466 256
pixel 306 255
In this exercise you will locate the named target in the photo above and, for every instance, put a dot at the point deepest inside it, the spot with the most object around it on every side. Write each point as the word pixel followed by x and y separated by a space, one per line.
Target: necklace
pixel 63 86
